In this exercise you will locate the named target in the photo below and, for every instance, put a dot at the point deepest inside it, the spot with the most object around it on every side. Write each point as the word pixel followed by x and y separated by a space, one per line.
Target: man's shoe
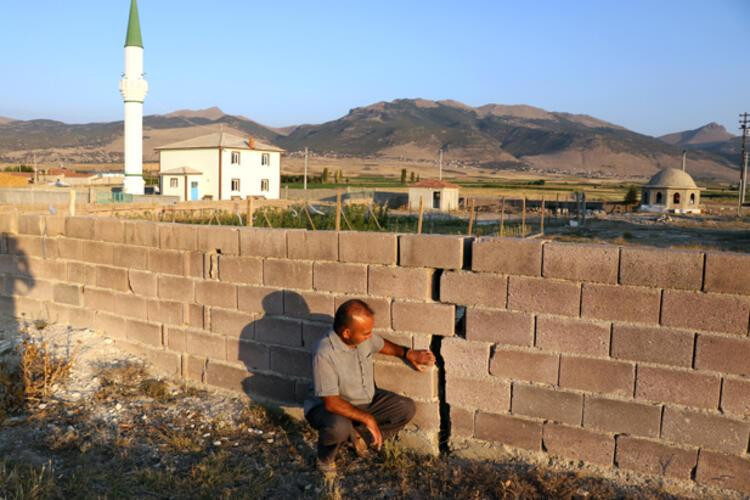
pixel 358 444
pixel 330 479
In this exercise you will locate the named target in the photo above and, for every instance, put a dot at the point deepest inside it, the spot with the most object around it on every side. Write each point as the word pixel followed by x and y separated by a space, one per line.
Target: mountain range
pixel 493 136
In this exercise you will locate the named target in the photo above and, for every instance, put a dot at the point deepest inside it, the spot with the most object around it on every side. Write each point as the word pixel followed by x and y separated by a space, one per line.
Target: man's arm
pixel 420 359
pixel 334 404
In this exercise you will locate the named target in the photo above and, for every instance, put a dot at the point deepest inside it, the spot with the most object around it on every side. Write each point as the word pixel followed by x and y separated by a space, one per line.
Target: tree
pixel 412 177
pixel 418 178
pixel 403 176
pixel 324 176
pixel 631 197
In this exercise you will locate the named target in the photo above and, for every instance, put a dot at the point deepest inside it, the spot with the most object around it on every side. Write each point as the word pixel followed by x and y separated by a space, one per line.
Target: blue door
pixel 194 190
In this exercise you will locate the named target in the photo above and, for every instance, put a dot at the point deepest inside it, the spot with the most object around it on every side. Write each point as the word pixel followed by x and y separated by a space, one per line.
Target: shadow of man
pixel 276 348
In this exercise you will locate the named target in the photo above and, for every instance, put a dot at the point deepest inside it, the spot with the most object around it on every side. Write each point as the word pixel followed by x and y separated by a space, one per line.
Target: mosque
pixel 671 190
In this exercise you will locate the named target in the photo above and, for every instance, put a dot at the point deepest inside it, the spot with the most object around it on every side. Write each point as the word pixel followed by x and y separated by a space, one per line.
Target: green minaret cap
pixel 134 28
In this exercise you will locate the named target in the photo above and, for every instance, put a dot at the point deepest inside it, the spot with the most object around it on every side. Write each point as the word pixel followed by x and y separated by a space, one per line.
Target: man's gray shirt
pixel 344 371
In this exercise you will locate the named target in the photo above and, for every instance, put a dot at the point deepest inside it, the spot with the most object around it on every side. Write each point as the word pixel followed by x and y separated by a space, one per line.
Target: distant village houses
pixel 219 166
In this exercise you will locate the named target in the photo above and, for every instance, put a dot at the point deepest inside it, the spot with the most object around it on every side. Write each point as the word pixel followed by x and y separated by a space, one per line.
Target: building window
pixel 676 199
pixel 235 157
pixel 264 185
pixel 173 182
pixel 235 184
pixel 645 197
pixel 692 198
pixel 658 198
pixel 265 159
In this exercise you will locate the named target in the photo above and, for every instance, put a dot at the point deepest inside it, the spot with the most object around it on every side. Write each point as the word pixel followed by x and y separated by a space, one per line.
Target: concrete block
pixel 462 422
pixel 654 458
pixel 176 288
pixel 260 242
pixel 194 368
pixel 110 230
pixel 313 332
pixel 68 294
pixel 291 362
pixel 578 262
pixel 617 416
pixel 724 471
pixel 166 261
pixel 661 268
pixel 26 246
pixel 226 376
pixel 341 278
pixel 544 296
pixel 178 237
pixel 167 312
pixel 313 245
pixel 400 283
pixel 131 257
pixel 130 306
pixel 547 404
pixel 143 283
pixel 465 358
pixel 144 332
pixel 175 339
pixel 233 324
pixel 169 363
pixel 95 252
pixel 597 375
pixel 195 316
pixel 399 378
pixel 578 444
pixel 223 240
pixel 77 317
pixel 653 345
pixel 436 251
pixel 54 225
pixel 271 387
pixel 194 265
pixel 706 311
pixel 69 249
pixel 500 327
pixel 432 318
pixel 735 397
pixel 487 394
pixel 110 325
pixel 532 366
pixel 204 344
pixel 310 306
pixel 683 387
pixel 474 289
pixel 621 303
pixel 252 355
pixel 98 300
pixel 258 299
pixel 711 431
pixel 288 274
pixel 727 273
pixel 81 228
pixel 278 331
pixel 114 278
pixel 246 270
pixel 368 248
pixel 569 335
pixel 141 233
pixel 507 256
pixel 214 293
pixel 30 224
pixel 723 354
pixel 427 417
pixel 510 431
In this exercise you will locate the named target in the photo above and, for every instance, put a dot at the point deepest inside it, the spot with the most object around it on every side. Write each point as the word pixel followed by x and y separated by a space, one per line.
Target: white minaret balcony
pixel 133 90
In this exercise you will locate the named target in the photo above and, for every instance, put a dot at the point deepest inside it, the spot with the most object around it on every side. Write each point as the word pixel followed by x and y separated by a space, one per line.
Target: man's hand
pixel 377 437
pixel 421 359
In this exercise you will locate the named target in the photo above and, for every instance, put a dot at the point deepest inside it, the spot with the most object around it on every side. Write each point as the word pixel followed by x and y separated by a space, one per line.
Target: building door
pixel 436 200
pixel 194 190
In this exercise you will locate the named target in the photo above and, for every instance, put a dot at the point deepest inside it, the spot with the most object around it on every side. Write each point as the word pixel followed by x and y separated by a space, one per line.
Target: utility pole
pixel 440 165
pixel 744 120
pixel 305 181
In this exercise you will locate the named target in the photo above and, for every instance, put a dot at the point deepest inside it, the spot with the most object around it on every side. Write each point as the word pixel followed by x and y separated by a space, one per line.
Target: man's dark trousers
pixel 391 411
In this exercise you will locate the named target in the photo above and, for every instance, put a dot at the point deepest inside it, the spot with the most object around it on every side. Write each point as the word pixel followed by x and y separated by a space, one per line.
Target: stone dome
pixel 672 178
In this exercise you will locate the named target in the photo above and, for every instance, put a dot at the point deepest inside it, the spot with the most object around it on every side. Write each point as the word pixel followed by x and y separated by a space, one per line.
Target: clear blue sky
pixel 654 66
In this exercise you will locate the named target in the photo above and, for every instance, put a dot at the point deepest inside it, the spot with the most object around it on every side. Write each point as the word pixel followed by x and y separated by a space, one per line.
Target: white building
pixel 434 194
pixel 220 166
pixel 671 190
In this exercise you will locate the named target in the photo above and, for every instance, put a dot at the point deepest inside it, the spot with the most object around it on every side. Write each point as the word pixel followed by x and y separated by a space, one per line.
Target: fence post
pixel 502 216
pixel 421 214
pixel 541 228
pixel 72 203
pixel 471 218
pixel 338 210
pixel 249 221
pixel 523 217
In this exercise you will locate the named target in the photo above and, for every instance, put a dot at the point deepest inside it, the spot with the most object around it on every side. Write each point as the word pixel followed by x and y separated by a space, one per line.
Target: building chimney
pixel 251 142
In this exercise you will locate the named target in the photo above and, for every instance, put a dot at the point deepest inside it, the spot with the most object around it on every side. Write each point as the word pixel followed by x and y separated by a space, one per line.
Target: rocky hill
pixel 493 136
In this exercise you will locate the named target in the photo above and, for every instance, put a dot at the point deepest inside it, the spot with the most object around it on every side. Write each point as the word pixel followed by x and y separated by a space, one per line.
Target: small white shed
pixel 435 195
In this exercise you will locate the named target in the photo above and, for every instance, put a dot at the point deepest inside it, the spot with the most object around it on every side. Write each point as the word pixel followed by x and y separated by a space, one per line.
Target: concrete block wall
pixel 621 357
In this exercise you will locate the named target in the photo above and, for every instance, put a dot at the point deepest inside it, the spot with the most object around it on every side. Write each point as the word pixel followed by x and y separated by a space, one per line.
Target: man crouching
pixel 346 401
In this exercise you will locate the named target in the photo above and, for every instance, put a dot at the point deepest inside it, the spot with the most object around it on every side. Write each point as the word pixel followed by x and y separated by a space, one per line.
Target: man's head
pixel 353 322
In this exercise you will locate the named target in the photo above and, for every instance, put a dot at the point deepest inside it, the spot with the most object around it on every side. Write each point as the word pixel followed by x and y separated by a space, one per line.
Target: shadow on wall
pixel 16 283
pixel 276 349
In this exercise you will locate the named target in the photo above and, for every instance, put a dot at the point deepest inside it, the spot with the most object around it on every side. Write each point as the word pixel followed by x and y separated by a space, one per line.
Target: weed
pixel 156 389
pixel 26 482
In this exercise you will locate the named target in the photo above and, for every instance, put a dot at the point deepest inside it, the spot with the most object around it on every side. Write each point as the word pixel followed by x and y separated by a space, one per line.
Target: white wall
pixel 204 160
pixel 250 172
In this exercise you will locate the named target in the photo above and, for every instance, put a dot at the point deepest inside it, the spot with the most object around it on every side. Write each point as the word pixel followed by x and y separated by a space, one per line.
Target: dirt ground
pixel 113 429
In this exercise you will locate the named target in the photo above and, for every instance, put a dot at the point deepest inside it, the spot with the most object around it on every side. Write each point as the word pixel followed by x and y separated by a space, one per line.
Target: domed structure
pixel 671 190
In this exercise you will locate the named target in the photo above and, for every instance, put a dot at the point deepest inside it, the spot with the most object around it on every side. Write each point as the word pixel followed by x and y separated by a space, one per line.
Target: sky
pixel 653 66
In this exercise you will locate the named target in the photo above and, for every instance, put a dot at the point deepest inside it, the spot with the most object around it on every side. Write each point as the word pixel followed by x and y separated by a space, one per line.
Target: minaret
pixel 133 89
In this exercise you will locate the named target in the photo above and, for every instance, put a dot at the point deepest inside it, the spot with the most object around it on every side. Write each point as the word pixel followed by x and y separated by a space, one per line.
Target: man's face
pixel 359 331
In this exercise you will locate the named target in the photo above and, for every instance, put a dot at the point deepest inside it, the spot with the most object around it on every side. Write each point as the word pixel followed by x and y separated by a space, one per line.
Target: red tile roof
pixel 433 183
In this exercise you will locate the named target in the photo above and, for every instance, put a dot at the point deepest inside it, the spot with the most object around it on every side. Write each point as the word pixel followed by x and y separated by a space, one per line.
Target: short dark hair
pixel 347 311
